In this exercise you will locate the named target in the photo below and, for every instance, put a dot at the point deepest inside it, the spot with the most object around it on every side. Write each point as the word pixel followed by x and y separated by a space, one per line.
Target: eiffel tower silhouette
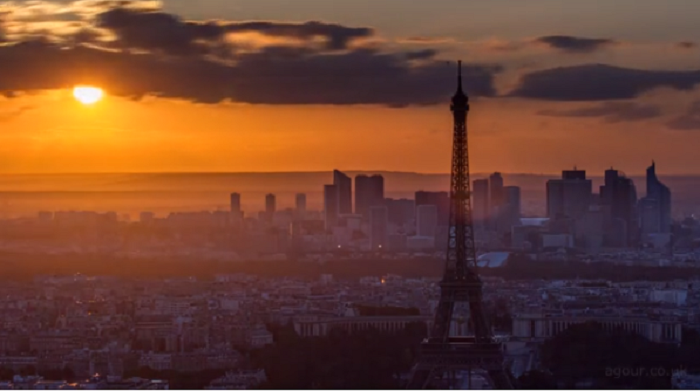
pixel 441 356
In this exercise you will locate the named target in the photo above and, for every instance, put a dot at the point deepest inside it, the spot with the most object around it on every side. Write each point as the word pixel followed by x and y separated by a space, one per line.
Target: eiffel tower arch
pixel 442 356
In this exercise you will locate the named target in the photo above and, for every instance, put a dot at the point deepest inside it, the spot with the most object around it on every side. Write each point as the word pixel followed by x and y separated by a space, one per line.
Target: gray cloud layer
pixel 611 112
pixel 133 49
pixel 156 53
pixel 273 75
pixel 153 30
pixel 571 44
pixel 596 82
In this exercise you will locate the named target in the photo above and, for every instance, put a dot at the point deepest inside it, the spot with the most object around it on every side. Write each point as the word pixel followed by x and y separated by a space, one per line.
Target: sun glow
pixel 87 95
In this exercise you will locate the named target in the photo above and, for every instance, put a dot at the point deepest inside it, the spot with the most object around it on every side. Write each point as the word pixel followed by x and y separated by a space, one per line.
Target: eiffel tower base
pixel 440 361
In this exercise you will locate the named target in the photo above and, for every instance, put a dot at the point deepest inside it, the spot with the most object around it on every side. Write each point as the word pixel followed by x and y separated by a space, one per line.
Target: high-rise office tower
pixel 330 205
pixel 344 185
pixel 426 220
pixel 235 203
pixel 369 191
pixel 400 211
pixel 507 214
pixel 511 208
pixel 656 206
pixel 569 196
pixel 590 230
pixel 619 196
pixel 496 198
pixel 496 189
pixel 300 206
pixel 440 199
pixel 480 198
pixel 650 218
pixel 378 227
pixel 270 206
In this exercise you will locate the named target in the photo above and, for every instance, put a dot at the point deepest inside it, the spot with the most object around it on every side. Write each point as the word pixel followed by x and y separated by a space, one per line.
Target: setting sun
pixel 87 95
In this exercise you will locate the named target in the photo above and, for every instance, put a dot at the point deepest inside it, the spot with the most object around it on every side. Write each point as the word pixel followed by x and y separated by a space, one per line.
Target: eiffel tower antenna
pixel 442 356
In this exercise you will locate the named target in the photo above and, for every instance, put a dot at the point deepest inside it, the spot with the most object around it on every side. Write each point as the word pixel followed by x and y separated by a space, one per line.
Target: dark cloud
pixel 690 120
pixel 154 53
pixel 159 31
pixel 421 54
pixel 574 44
pixel 599 82
pixel 610 112
pixel 687 45
pixel 270 76
pixel 85 36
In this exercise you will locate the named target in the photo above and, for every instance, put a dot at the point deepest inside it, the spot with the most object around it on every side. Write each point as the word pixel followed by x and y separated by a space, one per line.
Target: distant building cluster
pixel 358 217
pixel 614 217
pixel 418 224
pixel 363 220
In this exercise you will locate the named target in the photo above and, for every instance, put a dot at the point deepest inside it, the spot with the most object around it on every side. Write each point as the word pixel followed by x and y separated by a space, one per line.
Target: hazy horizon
pixel 26 194
pixel 354 172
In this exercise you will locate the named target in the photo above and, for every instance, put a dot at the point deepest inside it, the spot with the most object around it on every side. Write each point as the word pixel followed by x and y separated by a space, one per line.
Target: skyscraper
pixel 400 210
pixel 235 203
pixel 440 199
pixel 300 206
pixel 510 209
pixel 480 197
pixel 330 205
pixel 426 220
pixel 270 206
pixel 369 191
pixel 496 190
pixel 650 218
pixel 656 206
pixel 619 195
pixel 378 227
pixel 569 196
pixel 344 185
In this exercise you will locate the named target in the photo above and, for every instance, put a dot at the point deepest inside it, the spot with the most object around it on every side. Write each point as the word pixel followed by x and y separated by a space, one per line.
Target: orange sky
pixel 119 135
pixel 48 131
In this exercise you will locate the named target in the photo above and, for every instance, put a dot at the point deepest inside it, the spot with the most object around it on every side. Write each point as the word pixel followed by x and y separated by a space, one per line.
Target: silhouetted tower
pixel 443 356
pixel 235 203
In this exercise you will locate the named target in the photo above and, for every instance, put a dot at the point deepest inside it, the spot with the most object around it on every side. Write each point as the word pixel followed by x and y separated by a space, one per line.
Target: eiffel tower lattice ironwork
pixel 441 356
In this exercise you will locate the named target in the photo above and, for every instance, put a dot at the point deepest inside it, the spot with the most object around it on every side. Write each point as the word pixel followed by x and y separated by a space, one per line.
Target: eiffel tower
pixel 441 356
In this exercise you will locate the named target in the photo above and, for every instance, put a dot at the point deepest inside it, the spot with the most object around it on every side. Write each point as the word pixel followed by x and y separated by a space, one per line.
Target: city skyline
pixel 370 84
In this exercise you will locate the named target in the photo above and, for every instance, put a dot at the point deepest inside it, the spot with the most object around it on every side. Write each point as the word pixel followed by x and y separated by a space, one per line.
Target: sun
pixel 87 95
